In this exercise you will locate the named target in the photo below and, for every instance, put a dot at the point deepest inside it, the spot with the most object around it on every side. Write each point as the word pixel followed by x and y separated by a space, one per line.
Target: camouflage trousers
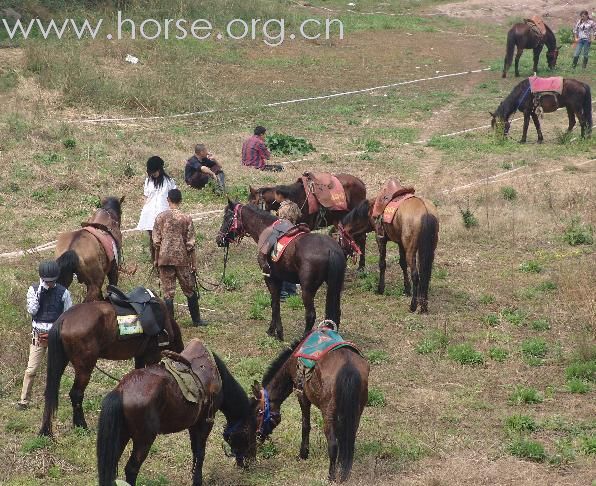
pixel 168 275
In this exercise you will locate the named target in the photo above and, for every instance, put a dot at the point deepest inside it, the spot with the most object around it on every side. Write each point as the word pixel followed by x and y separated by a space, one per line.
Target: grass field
pixel 496 385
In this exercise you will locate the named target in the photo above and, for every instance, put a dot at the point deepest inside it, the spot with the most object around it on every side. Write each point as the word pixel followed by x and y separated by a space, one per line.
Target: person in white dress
pixel 157 185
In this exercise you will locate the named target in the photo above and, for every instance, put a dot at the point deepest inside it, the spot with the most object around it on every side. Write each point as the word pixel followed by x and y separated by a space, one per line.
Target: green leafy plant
pixel 524 395
pixel 434 341
pixel 578 233
pixel 468 218
pixel 36 443
pixel 487 299
pixel 69 143
pixel 498 354
pixel 492 320
pixel 376 398
pixel 540 325
pixel 565 35
pixel 577 385
pixel 531 266
pixel 588 445
pixel 268 450
pixel 294 302
pixel 372 145
pixel 281 144
pixel 377 356
pixel 582 370
pixel 527 449
pixel 513 316
pixel 520 423
pixel 465 354
pixel 508 193
pixel 534 347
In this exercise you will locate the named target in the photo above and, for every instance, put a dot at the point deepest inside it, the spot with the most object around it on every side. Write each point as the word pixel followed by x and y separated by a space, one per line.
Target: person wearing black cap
pixel 157 185
pixel 46 300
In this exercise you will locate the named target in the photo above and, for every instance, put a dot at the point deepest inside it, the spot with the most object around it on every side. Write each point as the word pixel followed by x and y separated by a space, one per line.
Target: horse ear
pixel 122 199
pixel 230 203
pixel 256 389
pixel 251 190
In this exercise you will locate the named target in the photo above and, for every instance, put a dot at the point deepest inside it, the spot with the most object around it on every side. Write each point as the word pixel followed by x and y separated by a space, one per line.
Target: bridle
pixel 347 242
pixel 229 430
pixel 265 419
pixel 236 231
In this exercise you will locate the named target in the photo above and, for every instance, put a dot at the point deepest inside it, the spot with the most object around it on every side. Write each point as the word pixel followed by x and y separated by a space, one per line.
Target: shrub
pixel 487 299
pixel 546 286
pixel 281 144
pixel 520 423
pixel 498 354
pixel 527 449
pixel 468 218
pixel 230 281
pixel 588 445
pixel 376 398
pixel 531 266
pixel 508 193
pixel 577 385
pixel 69 143
pixel 577 233
pixel 434 341
pixel 582 370
pixel 377 357
pixel 465 354
pixel 534 347
pixel 540 325
pixel 565 35
pixel 492 320
pixel 268 449
pixel 522 394
pixel 513 316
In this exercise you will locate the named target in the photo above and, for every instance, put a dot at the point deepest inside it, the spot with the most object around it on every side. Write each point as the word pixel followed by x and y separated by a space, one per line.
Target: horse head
pixel 113 205
pixel 241 438
pixel 551 58
pixel 263 198
pixel 231 227
pixel 267 412
pixel 499 121
pixel 357 221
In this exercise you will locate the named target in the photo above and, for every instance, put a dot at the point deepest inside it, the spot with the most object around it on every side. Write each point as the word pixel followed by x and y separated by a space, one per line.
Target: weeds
pixel 465 354
pixel 527 449
pixel 520 423
pixel 531 266
pixel 582 370
pixel 498 354
pixel 508 193
pixel 578 233
pixel 577 385
pixel 280 144
pixel 540 325
pixel 487 299
pixel 377 357
pixel 36 443
pixel 588 445
pixel 492 320
pixel 260 302
pixel 468 218
pixel 436 340
pixel 294 302
pixel 524 395
pixel 376 398
pixel 513 316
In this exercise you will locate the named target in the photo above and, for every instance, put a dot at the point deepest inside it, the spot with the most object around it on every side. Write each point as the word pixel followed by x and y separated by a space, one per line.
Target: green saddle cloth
pixel 189 383
pixel 317 344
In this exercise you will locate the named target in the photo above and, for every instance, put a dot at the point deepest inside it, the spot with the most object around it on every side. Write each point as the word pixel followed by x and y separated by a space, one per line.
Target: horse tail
pixel 509 52
pixel 109 433
pixel 57 361
pixel 336 270
pixel 347 416
pixel 427 240
pixel 69 264
pixel 588 109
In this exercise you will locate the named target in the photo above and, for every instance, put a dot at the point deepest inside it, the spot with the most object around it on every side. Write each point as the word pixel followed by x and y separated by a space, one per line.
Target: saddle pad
pixel 318 343
pixel 393 206
pixel 129 325
pixel 282 244
pixel 190 385
pixel 538 22
pixel 540 85
pixel 106 240
pixel 324 189
pixel 390 190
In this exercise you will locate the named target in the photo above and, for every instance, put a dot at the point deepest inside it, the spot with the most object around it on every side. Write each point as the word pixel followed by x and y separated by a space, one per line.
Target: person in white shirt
pixel 584 31
pixel 46 301
pixel 157 185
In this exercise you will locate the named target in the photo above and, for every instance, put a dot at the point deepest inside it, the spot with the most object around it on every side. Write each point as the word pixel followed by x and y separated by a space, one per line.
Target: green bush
pixel 588 445
pixel 513 316
pixel 527 449
pixel 492 320
pixel 498 354
pixel 531 266
pixel 520 423
pixel 523 394
pixel 281 144
pixel 534 347
pixel 578 233
pixel 582 370
pixel 372 145
pixel 36 443
pixel 565 35
pixel 69 143
pixel 468 218
pixel 577 385
pixel 508 193
pixel 540 325
pixel 434 341
pixel 465 354
pixel 376 398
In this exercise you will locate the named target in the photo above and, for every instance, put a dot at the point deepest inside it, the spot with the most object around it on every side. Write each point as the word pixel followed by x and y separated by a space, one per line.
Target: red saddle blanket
pixel 278 236
pixel 391 208
pixel 541 85
pixel 324 189
pixel 106 240
pixel 283 243
pixel 390 191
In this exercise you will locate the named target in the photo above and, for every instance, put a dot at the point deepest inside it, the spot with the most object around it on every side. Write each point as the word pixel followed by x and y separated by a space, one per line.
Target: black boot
pixel 585 63
pixel 221 181
pixel 195 312
pixel 575 60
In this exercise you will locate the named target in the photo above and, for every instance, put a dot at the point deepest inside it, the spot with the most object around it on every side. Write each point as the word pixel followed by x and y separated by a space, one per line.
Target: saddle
pixel 544 86
pixel 102 220
pixel 391 190
pixel 323 189
pixel 140 302
pixel 537 25
pixel 197 375
pixel 278 230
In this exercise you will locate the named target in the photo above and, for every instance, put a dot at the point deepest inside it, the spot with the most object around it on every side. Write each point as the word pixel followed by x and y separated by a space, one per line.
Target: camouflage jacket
pixel 289 210
pixel 174 239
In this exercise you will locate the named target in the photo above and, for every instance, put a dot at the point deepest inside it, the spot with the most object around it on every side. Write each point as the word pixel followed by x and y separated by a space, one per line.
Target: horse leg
pixel 411 258
pixel 403 263
pixel 140 451
pixel 382 244
pixel 310 313
pixel 198 441
pixel 526 125
pixel 537 52
pixel 305 407
pixel 361 242
pixel 332 448
pixel 113 274
pixel 77 392
pixel 517 56
pixel 571 116
pixel 537 125
pixel 275 328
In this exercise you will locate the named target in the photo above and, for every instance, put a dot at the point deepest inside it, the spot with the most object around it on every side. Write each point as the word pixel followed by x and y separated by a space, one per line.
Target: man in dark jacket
pixel 202 167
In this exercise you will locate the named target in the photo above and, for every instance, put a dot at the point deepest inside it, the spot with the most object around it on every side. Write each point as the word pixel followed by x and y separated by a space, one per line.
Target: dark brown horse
pixel 81 252
pixel 415 229
pixel 82 335
pixel 523 37
pixel 338 387
pixel 576 97
pixel 309 260
pixel 149 402
pixel 355 193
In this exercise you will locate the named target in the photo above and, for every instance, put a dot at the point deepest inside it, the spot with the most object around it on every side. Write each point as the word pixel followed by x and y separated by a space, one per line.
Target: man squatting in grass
pixel 255 152
pixel 584 31
pixel 46 300
pixel 287 210
pixel 174 242
pixel 202 167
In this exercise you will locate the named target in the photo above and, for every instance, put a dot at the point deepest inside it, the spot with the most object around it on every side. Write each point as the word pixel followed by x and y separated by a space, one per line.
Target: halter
pixel 349 244
pixel 264 422
pixel 229 430
pixel 235 228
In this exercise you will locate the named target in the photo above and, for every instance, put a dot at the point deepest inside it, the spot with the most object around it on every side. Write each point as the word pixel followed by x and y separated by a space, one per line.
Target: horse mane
pixel 291 189
pixel 356 214
pixel 278 362
pixel 111 203
pixel 235 404
pixel 263 214
pixel 511 103
pixel 550 39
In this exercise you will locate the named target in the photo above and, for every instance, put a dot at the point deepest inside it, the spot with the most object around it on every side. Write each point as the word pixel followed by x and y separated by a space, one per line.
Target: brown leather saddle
pixel 282 227
pixel 325 189
pixel 102 220
pixel 390 190
pixel 537 25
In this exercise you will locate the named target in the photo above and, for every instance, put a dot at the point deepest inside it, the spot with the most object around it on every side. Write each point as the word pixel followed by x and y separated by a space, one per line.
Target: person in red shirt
pixel 255 152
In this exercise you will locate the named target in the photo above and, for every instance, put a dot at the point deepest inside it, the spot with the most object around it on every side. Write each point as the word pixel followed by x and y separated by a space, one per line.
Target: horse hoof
pixel 522 141
pixel 303 455
pixel 540 140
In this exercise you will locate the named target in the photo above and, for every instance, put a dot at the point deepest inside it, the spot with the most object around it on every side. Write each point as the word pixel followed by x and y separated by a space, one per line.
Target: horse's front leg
pixel 305 407
pixel 571 117
pixel 382 244
pixel 537 52
pixel 361 242
pixel 198 442
pixel 275 327
pixel 310 313
pixel 537 125
pixel 77 392
pixel 517 56
pixel 525 127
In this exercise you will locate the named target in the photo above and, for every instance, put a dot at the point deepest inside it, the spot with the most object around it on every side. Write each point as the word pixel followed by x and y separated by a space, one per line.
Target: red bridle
pixel 236 227
pixel 347 242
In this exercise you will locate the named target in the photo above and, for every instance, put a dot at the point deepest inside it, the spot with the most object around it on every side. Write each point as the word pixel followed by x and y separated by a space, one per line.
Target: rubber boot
pixel 585 63
pixel 195 312
pixel 575 60
pixel 221 181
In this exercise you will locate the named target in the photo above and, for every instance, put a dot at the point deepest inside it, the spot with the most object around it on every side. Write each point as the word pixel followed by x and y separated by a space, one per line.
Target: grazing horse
pixel 523 37
pixel 82 253
pixel 309 260
pixel 82 335
pixel 339 389
pixel 355 193
pixel 415 229
pixel 149 402
pixel 576 97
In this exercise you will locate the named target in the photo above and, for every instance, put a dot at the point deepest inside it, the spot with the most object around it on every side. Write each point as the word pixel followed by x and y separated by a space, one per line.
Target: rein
pixel 347 243
pixel 107 374
pixel 523 98
pixel 264 422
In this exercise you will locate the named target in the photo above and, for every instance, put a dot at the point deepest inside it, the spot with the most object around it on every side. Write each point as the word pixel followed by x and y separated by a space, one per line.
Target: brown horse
pixel 149 402
pixel 576 97
pixel 82 335
pixel 80 252
pixel 523 37
pixel 339 389
pixel 415 229
pixel 355 193
pixel 309 260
